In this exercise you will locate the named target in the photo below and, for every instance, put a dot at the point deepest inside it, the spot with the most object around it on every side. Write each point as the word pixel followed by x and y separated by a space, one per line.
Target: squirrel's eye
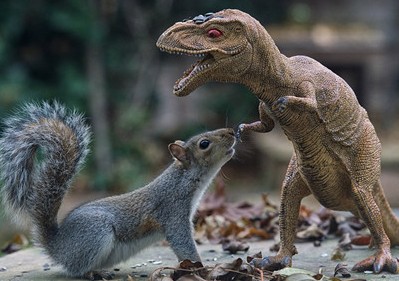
pixel 204 144
pixel 214 33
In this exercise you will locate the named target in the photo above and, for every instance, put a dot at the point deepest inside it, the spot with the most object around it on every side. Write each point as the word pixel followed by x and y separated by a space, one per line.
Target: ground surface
pixel 32 264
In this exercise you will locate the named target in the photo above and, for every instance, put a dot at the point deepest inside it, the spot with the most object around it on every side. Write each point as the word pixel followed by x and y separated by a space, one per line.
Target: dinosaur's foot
pixel 272 263
pixel 99 275
pixel 378 262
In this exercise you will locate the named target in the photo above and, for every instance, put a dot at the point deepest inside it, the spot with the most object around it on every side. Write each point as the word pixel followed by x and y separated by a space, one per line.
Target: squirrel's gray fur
pixel 33 193
pixel 103 232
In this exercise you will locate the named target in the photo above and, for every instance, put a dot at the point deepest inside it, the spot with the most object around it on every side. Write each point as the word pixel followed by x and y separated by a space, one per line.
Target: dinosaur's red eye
pixel 214 33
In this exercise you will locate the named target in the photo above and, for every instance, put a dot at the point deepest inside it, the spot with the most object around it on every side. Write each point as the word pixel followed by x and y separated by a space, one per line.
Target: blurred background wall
pixel 99 56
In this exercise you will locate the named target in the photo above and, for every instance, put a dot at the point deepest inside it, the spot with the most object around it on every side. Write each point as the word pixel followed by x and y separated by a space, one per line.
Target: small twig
pixel 174 269
pixel 260 273
pixel 239 272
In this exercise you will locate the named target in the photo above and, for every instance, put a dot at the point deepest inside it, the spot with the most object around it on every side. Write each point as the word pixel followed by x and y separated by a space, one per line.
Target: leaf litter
pixel 18 242
pixel 233 225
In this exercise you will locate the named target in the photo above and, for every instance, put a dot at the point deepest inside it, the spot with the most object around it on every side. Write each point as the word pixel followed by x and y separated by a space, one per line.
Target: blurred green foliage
pixel 41 51
pixel 43 55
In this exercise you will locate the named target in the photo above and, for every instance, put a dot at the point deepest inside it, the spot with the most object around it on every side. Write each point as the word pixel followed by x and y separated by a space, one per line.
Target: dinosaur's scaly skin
pixel 336 150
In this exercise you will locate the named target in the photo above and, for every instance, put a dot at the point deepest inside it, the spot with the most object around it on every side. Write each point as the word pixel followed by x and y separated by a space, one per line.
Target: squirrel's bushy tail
pixel 42 147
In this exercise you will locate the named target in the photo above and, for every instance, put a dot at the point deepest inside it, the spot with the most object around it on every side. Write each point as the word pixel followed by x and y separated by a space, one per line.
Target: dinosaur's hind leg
pixel 293 190
pixel 371 215
pixel 390 221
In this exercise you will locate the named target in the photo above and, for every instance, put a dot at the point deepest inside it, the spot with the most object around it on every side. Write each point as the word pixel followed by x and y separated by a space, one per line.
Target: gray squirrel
pixel 43 147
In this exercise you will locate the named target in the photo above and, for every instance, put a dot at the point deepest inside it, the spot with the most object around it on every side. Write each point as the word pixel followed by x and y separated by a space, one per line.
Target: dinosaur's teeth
pixel 200 68
pixel 189 73
pixel 179 52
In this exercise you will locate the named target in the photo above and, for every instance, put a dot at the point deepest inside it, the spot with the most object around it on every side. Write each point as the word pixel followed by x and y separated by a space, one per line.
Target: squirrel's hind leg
pixel 83 249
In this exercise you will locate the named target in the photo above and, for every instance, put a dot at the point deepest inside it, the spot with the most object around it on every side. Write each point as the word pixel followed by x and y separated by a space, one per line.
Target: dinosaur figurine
pixel 337 153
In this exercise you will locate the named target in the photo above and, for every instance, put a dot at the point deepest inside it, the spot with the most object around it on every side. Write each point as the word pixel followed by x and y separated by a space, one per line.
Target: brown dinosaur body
pixel 336 150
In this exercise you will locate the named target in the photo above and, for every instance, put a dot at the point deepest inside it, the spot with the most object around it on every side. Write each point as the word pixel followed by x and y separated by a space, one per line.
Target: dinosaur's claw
pixel 280 105
pixel 377 263
pixel 239 131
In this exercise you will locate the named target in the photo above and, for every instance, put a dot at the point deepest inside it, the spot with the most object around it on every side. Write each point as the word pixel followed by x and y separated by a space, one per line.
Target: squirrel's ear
pixel 179 142
pixel 178 151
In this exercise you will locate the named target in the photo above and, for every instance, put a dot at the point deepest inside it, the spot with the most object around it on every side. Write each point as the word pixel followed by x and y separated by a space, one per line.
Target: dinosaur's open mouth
pixel 204 69
pixel 204 64
pixel 193 71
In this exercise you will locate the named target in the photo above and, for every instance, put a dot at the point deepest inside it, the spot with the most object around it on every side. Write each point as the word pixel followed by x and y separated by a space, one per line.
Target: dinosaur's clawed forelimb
pixel 256 126
pixel 299 103
pixel 266 123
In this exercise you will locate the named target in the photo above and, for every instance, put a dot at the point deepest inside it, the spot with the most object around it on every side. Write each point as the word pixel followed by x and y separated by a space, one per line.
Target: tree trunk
pixel 98 98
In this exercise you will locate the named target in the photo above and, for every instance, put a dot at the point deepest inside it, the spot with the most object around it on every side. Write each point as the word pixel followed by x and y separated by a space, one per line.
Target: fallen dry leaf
pixel 345 242
pixel 158 275
pixel 361 240
pixel 311 233
pixel 257 255
pixel 18 242
pixel 234 246
pixel 297 274
pixel 251 232
pixel 236 270
pixel 342 269
pixel 188 267
pixel 338 254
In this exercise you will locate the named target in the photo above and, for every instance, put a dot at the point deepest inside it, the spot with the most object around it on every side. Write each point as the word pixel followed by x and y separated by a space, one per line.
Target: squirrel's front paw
pixel 280 105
